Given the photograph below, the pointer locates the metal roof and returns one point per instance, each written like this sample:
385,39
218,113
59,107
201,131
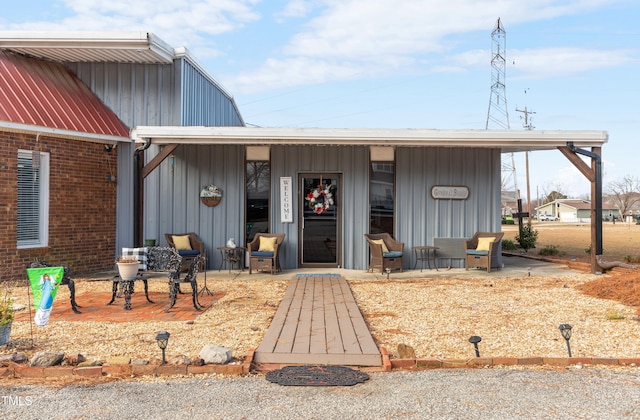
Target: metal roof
79,47
37,93
506,140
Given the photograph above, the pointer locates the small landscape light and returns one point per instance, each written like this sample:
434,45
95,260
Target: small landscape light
475,339
163,338
388,270
528,271
565,330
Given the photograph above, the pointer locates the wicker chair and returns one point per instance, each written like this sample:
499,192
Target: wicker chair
265,260
196,248
485,256
381,260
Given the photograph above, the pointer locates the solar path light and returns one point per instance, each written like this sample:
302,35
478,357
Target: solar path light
475,339
163,338
565,330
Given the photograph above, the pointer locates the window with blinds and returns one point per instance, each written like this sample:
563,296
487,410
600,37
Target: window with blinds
33,199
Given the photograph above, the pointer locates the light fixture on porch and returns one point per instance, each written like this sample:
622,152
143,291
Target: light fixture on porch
172,163
565,330
475,339
163,339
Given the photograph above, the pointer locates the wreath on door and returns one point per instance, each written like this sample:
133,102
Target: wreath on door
320,198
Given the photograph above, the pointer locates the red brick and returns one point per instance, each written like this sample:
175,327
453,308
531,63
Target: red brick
580,361
29,372
526,361
90,371
143,370
58,371
480,361
555,361
403,363
117,370
386,363
6,372
505,361
454,363
172,370
428,363
604,361
196,370
626,361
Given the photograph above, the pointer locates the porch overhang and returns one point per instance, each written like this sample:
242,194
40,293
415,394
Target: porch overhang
505,140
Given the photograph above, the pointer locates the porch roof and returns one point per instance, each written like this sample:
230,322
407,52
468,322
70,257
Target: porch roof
506,140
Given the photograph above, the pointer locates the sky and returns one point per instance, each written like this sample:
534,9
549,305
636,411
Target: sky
573,64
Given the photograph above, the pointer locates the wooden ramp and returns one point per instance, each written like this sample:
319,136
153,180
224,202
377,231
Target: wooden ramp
318,322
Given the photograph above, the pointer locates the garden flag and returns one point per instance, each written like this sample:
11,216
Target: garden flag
44,282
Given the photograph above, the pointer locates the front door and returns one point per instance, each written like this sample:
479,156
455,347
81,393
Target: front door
320,241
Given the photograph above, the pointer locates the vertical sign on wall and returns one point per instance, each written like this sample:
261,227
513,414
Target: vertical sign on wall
286,208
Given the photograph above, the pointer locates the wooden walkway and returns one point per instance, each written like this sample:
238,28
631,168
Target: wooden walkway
318,322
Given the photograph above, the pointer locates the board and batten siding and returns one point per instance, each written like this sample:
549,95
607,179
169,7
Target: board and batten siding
420,218
175,206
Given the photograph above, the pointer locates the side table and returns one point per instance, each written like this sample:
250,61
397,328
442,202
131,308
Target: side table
425,253
232,256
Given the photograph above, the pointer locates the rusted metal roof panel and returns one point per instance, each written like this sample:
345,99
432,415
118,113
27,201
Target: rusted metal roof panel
45,93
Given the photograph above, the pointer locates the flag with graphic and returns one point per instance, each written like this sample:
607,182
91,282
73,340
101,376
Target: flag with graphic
44,282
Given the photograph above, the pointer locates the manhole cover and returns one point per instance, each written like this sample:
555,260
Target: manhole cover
317,376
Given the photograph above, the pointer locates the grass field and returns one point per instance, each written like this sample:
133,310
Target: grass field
620,242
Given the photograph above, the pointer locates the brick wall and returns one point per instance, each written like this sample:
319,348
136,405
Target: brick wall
82,205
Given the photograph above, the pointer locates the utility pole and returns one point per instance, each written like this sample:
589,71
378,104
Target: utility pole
529,126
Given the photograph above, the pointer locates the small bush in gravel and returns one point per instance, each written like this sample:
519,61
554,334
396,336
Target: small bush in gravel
549,250
509,245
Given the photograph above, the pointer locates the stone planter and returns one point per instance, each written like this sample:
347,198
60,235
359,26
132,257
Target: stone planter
5,332
127,270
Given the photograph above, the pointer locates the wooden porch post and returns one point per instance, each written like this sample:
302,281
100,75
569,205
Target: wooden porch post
594,175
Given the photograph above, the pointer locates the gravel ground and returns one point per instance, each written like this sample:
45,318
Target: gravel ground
443,394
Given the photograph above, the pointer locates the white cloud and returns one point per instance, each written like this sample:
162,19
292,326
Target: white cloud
543,63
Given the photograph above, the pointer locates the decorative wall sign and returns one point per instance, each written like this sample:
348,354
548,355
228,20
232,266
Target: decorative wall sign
286,206
449,192
210,195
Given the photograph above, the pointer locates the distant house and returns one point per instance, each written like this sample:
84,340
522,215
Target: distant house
573,211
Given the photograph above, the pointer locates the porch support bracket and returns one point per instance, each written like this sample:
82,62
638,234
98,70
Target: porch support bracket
594,175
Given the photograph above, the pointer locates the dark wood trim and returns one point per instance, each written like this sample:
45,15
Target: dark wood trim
158,159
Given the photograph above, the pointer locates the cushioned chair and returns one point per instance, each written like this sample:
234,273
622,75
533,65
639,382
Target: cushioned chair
188,246
483,250
263,252
386,252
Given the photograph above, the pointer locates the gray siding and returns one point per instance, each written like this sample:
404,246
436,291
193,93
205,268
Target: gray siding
140,94
172,203
203,102
419,169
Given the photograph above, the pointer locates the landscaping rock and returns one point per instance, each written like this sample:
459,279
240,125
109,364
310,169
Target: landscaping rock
139,362
119,360
15,358
182,360
213,354
46,359
90,363
406,351
74,359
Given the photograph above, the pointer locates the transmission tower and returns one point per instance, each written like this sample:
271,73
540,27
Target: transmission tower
498,114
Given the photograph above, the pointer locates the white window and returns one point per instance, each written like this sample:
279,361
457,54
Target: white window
33,199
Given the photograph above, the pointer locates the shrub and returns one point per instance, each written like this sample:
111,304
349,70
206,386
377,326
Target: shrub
527,237
549,250
509,245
